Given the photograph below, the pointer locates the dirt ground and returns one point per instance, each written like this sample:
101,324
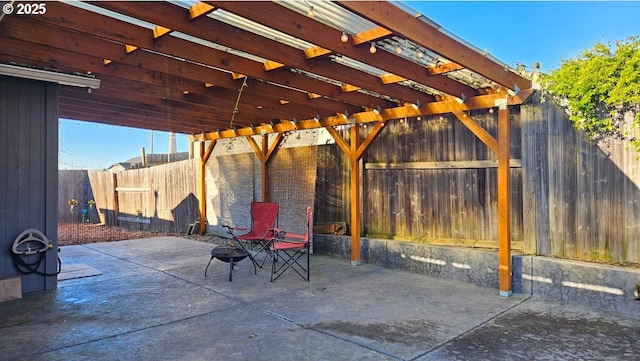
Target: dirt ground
81,233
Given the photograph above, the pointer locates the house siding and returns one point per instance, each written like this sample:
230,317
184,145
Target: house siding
28,181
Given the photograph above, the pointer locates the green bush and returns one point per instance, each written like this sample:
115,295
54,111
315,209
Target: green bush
599,87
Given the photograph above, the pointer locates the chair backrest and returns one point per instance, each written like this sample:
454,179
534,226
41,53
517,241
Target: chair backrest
264,216
308,235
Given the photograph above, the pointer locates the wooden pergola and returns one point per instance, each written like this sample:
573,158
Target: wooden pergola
253,69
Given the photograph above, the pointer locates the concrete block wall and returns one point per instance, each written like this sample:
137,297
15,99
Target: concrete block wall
591,285
582,283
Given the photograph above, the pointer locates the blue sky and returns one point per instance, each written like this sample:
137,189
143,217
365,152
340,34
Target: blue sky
514,32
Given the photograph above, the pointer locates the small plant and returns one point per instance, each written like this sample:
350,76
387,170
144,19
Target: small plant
72,202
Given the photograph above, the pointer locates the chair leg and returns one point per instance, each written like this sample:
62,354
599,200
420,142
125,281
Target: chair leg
252,246
273,264
290,262
205,270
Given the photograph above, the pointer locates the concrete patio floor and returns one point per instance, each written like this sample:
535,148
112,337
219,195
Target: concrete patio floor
153,302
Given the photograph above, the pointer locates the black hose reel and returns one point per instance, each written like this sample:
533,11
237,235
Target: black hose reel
28,243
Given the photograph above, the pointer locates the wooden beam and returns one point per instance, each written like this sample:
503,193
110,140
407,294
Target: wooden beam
349,88
315,52
199,9
204,158
270,65
259,151
504,201
369,139
370,35
265,168
175,17
444,68
274,146
453,164
271,14
265,154
100,27
391,78
411,110
159,31
207,155
478,130
342,144
406,25
355,194
66,58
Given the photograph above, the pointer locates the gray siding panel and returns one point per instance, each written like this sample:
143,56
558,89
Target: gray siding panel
28,154
6,269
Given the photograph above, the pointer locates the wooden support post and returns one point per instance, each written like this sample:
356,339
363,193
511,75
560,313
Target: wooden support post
354,150
204,158
265,153
503,147
504,201
264,159
116,203
203,193
355,194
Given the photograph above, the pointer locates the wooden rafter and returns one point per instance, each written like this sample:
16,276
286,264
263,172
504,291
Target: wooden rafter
410,27
269,13
72,39
241,40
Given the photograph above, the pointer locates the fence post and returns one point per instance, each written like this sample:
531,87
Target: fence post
116,204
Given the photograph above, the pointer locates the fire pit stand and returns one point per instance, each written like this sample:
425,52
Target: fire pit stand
231,255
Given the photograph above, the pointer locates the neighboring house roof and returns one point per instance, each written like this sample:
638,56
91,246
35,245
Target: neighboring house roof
119,166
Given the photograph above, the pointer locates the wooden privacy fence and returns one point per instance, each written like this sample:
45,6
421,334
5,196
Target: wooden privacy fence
432,180
161,198
74,185
582,199
427,180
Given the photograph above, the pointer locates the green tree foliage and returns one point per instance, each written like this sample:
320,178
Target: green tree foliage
599,87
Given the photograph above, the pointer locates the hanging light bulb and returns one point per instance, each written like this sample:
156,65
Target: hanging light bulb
420,55
310,12
372,49
398,50
344,38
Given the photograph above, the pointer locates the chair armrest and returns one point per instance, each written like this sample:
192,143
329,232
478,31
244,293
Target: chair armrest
233,228
293,238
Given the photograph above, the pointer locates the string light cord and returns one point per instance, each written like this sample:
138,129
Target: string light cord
235,109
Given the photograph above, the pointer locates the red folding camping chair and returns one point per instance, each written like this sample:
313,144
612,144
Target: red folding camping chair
264,218
287,250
